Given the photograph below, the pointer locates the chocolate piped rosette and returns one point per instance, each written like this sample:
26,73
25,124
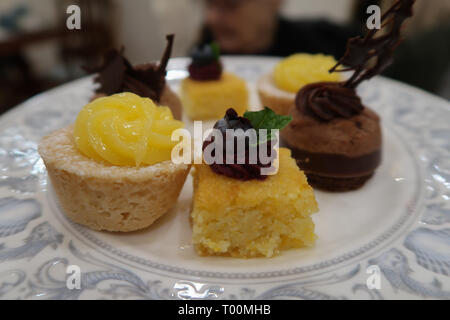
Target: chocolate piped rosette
241,210
334,137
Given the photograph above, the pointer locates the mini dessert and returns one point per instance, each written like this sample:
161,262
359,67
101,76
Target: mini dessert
335,139
277,90
117,75
239,212
112,170
208,91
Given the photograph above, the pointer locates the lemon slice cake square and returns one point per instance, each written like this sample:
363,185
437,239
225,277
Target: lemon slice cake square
255,218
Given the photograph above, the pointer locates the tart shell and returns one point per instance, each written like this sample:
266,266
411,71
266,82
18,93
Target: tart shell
106,197
271,96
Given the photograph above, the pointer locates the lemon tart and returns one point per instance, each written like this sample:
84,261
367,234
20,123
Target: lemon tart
112,169
277,90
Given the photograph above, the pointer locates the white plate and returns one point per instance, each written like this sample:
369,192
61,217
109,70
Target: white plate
398,223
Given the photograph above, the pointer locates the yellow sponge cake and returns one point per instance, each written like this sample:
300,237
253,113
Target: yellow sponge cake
210,99
252,218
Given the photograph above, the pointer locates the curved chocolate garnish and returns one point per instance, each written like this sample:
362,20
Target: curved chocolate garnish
361,52
367,57
328,100
116,74
245,171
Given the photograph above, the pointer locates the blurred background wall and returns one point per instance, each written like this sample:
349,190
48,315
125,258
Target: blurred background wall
37,52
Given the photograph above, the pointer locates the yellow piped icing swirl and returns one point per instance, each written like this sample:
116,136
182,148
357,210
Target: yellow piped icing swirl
125,130
300,69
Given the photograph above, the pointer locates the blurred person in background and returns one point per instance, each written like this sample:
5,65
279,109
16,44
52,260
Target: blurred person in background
256,27
423,58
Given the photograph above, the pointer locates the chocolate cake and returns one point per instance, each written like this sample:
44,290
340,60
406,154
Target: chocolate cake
337,155
335,139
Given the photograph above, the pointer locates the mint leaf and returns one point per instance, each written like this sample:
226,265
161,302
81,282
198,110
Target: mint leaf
215,49
267,119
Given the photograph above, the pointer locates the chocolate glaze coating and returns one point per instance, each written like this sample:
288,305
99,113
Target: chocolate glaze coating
335,165
337,184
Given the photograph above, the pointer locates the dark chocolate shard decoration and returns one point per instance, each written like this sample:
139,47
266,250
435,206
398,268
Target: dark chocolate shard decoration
367,57
116,74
